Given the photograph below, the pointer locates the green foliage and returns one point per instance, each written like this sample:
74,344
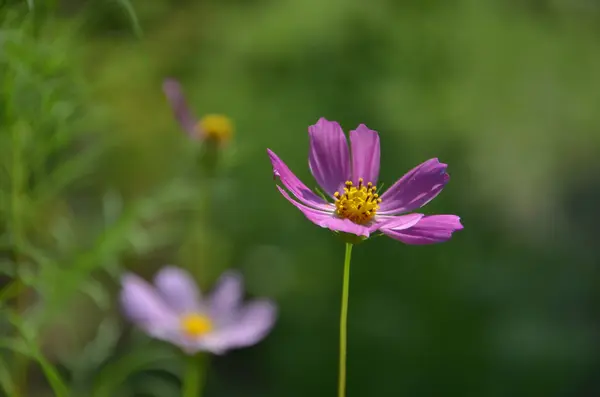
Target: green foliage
57,242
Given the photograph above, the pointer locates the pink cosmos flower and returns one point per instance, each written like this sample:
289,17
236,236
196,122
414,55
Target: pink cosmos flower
355,205
174,310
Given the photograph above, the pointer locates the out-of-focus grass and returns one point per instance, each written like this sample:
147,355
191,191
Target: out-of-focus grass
65,230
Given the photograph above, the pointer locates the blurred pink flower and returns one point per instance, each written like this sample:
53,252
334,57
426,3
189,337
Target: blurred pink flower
213,127
351,182
174,310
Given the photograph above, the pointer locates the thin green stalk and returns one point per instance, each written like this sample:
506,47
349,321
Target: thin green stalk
194,378
17,177
344,321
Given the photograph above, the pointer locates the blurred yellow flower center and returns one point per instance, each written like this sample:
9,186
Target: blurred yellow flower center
195,325
357,203
216,127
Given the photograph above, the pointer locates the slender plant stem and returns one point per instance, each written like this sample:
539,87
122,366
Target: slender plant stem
344,321
194,378
17,177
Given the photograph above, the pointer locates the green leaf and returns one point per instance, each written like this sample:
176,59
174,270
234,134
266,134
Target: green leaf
54,379
69,171
112,376
6,381
29,349
97,293
28,346
32,253
84,365
130,10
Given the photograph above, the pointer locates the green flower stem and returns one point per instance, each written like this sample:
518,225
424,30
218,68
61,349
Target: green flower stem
344,322
21,362
195,372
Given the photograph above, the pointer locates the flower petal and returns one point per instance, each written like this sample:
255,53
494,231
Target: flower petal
174,94
328,159
328,219
178,289
226,296
365,154
295,185
415,189
145,307
253,323
429,230
398,222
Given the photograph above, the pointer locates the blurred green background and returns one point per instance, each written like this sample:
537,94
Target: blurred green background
505,92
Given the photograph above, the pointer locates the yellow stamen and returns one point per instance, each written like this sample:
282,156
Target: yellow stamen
195,325
216,127
357,203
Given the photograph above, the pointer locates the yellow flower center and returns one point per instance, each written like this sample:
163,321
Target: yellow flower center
357,203
216,127
195,325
